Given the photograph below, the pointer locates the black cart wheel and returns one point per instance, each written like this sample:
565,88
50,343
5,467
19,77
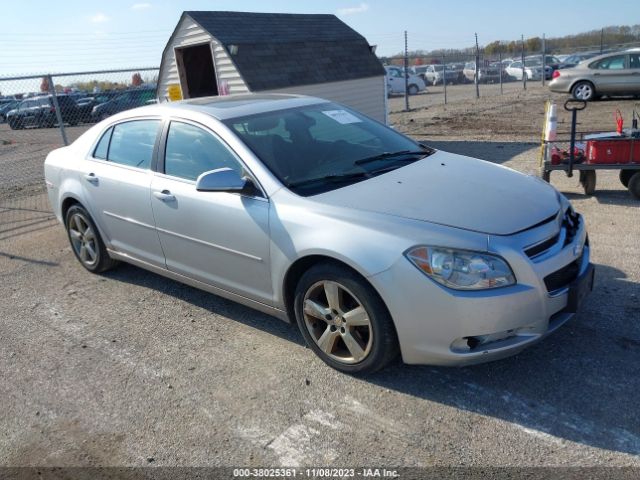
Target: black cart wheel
625,176
634,185
588,181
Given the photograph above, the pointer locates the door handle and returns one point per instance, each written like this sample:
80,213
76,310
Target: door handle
164,195
596,74
91,178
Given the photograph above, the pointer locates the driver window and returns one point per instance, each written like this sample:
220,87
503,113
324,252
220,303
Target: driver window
191,151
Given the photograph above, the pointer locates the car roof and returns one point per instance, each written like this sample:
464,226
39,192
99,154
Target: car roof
230,106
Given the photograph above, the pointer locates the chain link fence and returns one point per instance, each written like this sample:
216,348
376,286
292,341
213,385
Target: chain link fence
455,76
40,113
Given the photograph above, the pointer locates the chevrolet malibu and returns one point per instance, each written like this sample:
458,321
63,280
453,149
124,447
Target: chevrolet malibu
371,243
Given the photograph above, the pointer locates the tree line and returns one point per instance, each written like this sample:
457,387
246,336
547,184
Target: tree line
591,40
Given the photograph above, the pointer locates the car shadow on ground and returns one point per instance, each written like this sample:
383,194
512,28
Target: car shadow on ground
494,152
579,384
126,273
607,197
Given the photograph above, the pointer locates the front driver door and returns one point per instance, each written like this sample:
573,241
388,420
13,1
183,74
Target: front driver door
218,238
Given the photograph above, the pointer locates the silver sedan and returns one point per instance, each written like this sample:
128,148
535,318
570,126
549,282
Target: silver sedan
613,74
371,243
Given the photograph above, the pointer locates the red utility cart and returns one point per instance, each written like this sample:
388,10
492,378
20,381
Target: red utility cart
588,152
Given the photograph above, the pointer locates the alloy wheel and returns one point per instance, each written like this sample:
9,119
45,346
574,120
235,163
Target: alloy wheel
583,91
337,322
83,239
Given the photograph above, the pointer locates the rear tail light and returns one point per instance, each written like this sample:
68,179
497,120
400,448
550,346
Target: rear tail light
556,74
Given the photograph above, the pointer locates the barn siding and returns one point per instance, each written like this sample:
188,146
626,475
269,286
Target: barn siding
367,95
190,33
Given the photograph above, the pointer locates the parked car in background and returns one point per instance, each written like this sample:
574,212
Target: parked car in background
458,71
532,70
551,63
41,112
396,82
371,243
488,73
420,70
436,73
5,108
123,101
612,74
573,60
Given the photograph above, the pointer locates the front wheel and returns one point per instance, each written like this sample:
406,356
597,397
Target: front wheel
413,89
86,243
343,320
583,91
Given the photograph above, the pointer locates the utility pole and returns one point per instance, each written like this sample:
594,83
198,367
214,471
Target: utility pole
477,75
544,59
601,39
406,72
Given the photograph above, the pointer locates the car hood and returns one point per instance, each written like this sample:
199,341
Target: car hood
456,191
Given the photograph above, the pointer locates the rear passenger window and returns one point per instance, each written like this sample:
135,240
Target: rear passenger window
103,145
132,143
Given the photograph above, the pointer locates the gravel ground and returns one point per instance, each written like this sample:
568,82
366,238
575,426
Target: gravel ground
129,368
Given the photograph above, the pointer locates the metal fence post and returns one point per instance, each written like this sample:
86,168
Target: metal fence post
52,89
477,75
406,72
444,78
524,71
544,60
501,70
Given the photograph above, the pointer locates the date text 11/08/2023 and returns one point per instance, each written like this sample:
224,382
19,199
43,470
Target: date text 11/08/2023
322,472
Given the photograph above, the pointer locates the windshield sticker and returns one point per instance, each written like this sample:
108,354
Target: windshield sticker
342,116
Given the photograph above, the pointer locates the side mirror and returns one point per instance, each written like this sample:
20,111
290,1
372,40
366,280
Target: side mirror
225,180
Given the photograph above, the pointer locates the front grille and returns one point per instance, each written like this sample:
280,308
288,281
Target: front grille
542,247
570,226
563,277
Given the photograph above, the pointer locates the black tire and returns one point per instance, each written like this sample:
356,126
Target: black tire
545,175
379,336
102,261
15,124
625,176
584,90
634,185
588,181
413,89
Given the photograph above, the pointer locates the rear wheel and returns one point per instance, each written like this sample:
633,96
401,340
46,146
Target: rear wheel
634,185
625,176
86,243
583,91
588,181
343,320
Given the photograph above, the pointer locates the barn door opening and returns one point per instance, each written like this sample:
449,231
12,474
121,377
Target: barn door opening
196,70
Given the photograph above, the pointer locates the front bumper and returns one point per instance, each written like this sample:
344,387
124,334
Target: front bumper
440,326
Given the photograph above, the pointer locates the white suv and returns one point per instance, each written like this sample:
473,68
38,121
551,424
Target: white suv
396,82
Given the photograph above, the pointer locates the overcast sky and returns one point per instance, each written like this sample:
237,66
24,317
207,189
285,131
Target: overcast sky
45,36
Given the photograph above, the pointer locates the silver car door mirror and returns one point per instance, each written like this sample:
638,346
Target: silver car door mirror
221,180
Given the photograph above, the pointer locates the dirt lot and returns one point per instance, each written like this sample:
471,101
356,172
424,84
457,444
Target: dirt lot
129,368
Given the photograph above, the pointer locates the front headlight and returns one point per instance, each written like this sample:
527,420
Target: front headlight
461,269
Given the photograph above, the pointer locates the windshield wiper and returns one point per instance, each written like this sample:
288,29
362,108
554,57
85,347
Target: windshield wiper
385,155
336,178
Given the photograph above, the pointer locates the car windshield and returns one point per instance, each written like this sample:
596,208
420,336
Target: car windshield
317,148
